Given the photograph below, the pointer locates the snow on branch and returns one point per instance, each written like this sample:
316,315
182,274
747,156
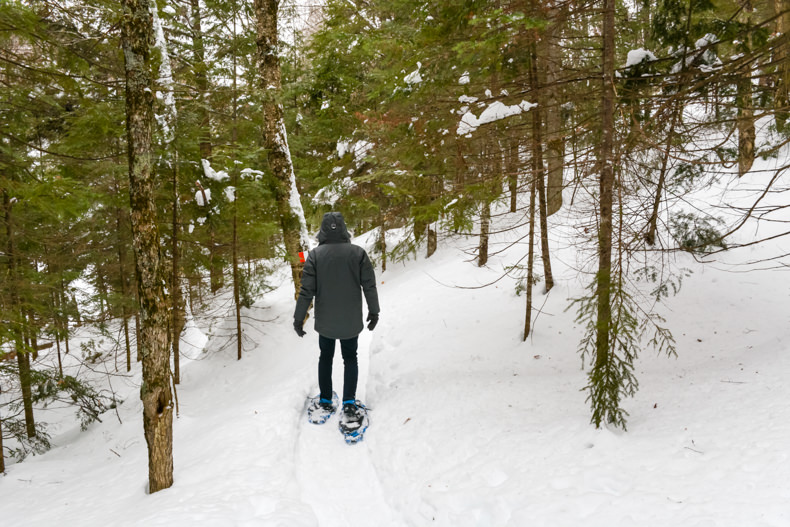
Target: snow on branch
495,111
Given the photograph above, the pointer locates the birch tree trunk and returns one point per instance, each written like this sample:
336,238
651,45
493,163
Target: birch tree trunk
153,343
275,139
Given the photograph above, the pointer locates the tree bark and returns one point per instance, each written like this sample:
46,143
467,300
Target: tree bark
153,343
485,226
530,261
550,54
512,164
120,227
22,357
275,139
605,160
538,175
745,104
652,223
381,242
432,241
235,241
177,315
201,81
2,451
781,57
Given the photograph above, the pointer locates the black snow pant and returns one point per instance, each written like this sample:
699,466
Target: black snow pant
348,348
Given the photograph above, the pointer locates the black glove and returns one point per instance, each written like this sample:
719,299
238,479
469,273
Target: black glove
373,318
298,327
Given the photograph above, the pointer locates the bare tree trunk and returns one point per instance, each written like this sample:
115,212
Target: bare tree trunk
485,226
530,261
432,241
23,363
782,60
57,339
177,320
381,243
199,68
153,344
2,451
275,139
652,223
746,130
537,174
16,323
201,81
605,160
512,164
235,241
745,104
550,55
120,228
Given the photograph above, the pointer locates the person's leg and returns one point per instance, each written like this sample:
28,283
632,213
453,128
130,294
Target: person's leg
350,368
327,347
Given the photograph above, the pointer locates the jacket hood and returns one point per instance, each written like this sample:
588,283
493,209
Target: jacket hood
333,229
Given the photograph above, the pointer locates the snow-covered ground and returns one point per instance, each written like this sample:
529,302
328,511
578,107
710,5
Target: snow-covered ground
470,426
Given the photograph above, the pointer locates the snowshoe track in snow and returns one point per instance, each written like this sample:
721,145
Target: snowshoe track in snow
339,481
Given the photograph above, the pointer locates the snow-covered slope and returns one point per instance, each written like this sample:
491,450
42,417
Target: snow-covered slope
470,426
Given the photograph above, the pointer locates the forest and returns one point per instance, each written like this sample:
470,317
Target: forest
157,154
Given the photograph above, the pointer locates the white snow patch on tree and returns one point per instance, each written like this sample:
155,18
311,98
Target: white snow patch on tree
343,147
414,77
358,149
168,118
638,56
464,78
294,199
330,194
496,111
703,56
213,174
199,197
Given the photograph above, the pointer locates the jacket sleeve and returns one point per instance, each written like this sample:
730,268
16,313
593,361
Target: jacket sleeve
368,281
307,289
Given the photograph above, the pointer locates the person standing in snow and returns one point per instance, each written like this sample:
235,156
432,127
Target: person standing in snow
336,274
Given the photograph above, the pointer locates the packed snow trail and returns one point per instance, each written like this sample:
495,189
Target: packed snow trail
338,480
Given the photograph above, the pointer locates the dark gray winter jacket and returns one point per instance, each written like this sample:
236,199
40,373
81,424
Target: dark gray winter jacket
336,273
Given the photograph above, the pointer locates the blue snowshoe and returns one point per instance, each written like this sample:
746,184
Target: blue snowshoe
320,410
353,421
